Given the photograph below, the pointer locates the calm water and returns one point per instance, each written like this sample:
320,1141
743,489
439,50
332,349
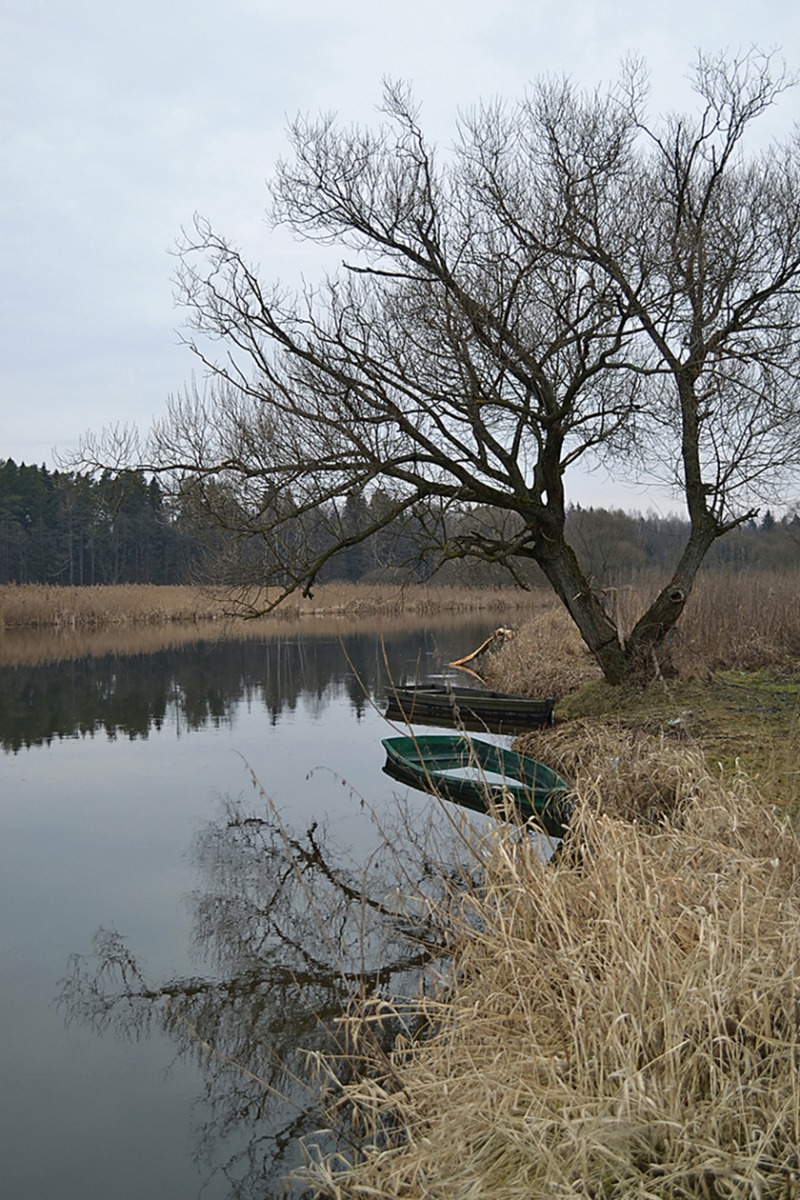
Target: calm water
154,796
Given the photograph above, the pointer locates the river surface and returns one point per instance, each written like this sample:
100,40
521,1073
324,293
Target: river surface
219,811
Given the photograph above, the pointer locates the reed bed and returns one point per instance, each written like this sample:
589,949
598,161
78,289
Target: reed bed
63,608
545,656
41,606
741,620
734,620
622,1022
634,775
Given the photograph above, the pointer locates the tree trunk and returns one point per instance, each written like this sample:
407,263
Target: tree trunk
644,648
598,631
643,653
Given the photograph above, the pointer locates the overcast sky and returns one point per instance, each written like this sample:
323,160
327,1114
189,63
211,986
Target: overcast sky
120,121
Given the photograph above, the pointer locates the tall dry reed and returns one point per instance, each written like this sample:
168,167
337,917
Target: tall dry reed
42,606
545,656
621,1023
45,606
741,620
734,620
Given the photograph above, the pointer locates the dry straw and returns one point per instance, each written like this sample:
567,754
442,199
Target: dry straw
43,606
629,773
734,620
621,1022
545,657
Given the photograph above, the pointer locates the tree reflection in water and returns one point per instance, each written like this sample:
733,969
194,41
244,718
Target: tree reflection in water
291,931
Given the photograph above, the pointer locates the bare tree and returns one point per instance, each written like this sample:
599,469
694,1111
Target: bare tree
569,284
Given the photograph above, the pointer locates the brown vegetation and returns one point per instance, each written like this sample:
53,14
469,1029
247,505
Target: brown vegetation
734,620
43,606
741,621
620,1023
735,696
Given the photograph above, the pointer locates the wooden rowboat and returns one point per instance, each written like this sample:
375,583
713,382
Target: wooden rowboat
481,776
448,704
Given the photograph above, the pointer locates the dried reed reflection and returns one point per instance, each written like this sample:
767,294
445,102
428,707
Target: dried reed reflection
127,695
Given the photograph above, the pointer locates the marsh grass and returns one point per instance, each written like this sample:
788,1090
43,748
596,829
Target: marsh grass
734,620
545,657
741,620
741,722
633,775
736,695
621,1022
41,606
63,608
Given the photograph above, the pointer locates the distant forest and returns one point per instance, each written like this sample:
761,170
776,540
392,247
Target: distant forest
76,529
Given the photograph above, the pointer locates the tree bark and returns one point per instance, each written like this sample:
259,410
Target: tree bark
598,631
643,654
644,645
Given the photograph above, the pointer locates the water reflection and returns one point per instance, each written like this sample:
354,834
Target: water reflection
199,685
111,763
292,930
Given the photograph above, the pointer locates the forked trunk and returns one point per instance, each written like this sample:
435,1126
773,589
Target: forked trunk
645,646
644,653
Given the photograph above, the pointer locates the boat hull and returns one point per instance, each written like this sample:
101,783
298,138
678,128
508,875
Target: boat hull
481,776
467,707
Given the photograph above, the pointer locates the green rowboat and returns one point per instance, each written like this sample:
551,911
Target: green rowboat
480,776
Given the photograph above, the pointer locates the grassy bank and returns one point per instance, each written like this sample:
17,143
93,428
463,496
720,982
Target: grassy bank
735,697
620,1023
734,621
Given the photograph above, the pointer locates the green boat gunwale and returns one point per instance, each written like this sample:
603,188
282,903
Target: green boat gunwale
430,763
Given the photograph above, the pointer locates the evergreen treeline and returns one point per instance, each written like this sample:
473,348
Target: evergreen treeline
75,529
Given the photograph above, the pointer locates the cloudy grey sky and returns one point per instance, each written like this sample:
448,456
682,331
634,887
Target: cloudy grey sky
121,120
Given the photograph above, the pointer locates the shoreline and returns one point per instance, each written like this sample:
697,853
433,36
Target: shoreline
57,608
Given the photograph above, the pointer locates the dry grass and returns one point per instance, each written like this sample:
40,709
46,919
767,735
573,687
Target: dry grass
741,621
734,621
620,1023
42,606
545,657
634,775
748,721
